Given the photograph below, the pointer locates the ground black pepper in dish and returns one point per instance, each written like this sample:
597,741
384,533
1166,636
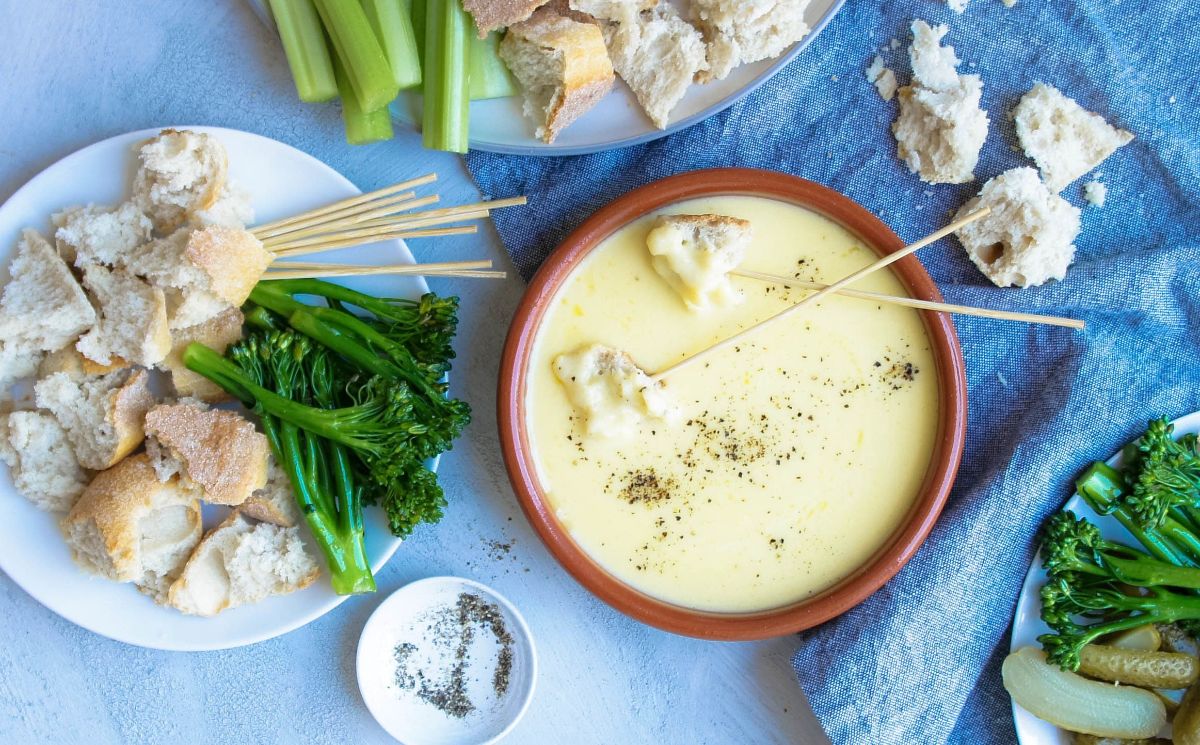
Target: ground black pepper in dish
451,629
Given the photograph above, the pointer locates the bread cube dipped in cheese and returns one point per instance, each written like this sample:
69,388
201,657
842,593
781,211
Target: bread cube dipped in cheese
1028,238
1064,139
613,395
695,253
216,453
130,527
242,562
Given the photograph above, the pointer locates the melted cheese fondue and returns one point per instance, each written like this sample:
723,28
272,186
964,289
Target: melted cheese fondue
791,459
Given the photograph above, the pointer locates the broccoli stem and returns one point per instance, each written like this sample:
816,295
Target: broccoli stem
1101,487
344,550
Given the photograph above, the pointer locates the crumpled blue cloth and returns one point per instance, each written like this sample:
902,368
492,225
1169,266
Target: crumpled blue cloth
918,662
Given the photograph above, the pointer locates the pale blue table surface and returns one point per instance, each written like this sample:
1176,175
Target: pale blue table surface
77,72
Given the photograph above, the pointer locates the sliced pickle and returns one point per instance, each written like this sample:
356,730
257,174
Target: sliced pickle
1077,704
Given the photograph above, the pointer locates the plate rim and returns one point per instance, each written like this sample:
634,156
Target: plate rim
1185,424
180,644
259,7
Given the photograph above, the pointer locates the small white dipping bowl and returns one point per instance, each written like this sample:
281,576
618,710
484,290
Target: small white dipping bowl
405,615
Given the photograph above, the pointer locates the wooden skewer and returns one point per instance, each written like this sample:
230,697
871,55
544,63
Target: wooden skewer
965,310
347,216
369,196
459,209
350,270
848,279
383,227
401,234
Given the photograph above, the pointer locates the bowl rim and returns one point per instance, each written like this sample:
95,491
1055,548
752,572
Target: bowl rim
516,450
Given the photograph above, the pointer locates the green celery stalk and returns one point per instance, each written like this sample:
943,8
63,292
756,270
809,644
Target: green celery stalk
447,104
362,127
490,77
359,52
304,44
416,10
393,27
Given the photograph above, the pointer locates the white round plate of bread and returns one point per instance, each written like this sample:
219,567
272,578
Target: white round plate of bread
281,181
1027,623
499,125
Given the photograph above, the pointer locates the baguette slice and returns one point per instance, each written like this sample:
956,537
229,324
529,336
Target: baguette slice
133,319
44,467
130,527
562,65
215,452
239,563
490,15
102,415
658,54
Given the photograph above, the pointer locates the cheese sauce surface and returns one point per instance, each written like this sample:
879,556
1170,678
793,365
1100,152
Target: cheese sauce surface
796,455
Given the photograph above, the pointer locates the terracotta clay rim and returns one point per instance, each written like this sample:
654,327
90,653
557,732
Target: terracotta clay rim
514,438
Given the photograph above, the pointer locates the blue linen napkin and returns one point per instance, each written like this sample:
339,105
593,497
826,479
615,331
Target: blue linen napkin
918,662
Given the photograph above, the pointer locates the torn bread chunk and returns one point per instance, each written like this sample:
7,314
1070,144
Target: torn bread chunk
216,333
1064,139
737,32
275,503
941,128
188,308
882,78
231,210
133,319
103,416
16,363
224,262
611,10
181,172
562,65
1028,239
215,452
100,235
695,253
490,15
613,394
42,308
658,54
239,563
43,464
130,527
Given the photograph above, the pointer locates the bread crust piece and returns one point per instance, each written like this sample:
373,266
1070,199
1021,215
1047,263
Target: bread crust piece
275,503
563,67
234,260
221,453
69,360
490,15
107,527
216,333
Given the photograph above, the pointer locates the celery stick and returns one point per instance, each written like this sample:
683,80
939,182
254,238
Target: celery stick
490,77
359,52
448,31
304,44
393,26
362,126
416,9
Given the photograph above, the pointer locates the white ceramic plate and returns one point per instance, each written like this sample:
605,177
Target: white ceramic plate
282,181
404,616
1027,623
617,121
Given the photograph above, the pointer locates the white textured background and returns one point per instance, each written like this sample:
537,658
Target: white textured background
74,72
